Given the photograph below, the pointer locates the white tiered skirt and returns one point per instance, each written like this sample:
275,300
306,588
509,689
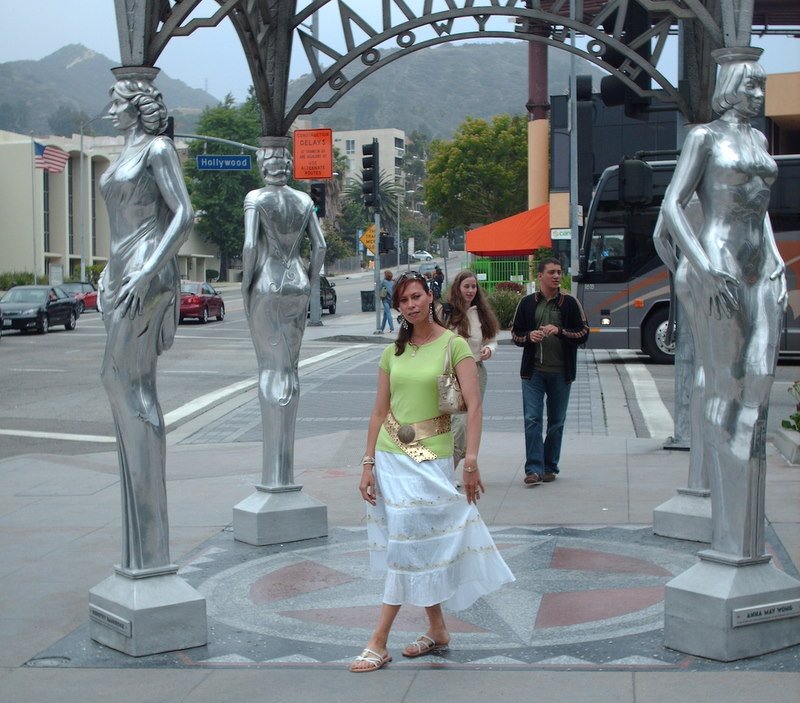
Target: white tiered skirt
432,545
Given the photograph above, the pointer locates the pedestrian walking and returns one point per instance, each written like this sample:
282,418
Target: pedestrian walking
427,538
549,325
468,314
385,294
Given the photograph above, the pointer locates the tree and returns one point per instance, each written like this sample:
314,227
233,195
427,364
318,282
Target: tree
217,196
479,176
388,190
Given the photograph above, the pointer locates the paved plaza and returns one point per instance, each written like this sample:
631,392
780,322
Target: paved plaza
583,621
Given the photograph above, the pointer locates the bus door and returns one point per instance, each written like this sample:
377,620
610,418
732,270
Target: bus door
603,289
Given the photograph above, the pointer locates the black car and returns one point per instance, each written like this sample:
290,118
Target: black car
327,295
38,307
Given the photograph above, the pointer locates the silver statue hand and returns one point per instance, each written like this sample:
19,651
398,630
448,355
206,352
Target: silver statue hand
722,293
132,293
780,274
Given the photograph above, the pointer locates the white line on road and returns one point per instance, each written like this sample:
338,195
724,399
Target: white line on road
657,418
58,435
193,407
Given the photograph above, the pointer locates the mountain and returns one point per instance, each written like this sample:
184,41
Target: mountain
75,81
433,90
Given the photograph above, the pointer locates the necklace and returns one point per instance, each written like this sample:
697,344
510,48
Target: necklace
415,347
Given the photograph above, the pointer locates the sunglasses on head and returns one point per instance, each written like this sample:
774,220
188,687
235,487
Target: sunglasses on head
411,275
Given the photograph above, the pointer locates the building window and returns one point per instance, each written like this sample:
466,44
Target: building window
399,144
93,200
70,206
349,146
46,213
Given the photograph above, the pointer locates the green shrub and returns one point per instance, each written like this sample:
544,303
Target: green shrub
511,286
93,272
505,304
15,278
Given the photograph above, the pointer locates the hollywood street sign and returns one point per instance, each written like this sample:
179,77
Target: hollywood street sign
224,162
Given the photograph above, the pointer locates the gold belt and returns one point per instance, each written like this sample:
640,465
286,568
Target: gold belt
408,435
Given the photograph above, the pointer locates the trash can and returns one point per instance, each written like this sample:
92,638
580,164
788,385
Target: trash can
367,301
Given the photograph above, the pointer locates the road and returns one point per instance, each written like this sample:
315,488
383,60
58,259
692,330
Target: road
53,401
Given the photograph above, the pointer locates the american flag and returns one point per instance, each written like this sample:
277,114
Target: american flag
50,158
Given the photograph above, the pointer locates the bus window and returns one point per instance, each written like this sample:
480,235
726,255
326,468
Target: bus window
640,251
607,250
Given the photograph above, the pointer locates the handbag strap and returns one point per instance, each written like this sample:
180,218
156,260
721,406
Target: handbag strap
448,365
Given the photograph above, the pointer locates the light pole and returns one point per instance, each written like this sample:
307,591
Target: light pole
81,197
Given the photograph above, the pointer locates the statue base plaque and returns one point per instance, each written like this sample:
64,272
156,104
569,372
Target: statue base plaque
727,611
685,516
141,613
277,515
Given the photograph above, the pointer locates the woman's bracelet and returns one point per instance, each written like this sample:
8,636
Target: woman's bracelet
470,469
370,460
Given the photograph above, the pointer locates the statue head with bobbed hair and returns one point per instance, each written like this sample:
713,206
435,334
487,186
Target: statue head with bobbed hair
140,92
737,65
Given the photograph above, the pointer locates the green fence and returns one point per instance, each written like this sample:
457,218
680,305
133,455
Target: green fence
490,272
509,268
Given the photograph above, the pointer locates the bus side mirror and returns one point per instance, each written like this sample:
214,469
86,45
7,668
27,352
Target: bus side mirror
635,182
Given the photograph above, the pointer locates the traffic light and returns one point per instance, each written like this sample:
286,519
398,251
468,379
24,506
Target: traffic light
385,243
370,174
318,198
612,90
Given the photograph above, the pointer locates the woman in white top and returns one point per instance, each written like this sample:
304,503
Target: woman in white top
469,315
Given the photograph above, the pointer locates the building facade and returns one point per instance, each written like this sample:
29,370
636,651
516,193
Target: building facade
60,219
391,145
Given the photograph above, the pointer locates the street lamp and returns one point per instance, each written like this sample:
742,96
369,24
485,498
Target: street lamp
81,197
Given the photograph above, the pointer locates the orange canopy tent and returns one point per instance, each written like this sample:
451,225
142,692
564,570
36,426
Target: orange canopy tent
518,235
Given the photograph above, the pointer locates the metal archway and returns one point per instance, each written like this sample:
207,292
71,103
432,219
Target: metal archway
267,29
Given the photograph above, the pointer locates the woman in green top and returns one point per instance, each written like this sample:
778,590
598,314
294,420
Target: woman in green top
426,536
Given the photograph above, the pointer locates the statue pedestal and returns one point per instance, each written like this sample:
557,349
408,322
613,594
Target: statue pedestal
147,612
685,516
276,515
726,611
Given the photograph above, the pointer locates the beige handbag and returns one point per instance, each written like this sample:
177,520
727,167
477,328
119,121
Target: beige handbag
451,401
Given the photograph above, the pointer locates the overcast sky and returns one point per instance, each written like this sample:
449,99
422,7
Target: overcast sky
212,58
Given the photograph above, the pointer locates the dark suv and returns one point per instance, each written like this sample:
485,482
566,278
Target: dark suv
327,295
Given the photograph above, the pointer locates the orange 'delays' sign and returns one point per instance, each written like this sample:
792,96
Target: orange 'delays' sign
313,154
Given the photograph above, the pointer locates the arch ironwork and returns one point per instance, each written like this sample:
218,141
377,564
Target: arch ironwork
267,30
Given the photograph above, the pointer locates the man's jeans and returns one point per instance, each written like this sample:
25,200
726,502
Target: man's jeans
542,457
387,315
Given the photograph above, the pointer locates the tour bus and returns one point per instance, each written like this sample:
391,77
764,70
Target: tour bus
622,283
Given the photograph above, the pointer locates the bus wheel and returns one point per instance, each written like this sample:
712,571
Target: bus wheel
654,338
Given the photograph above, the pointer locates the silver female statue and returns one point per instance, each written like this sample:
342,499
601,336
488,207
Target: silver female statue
150,218
276,287
734,276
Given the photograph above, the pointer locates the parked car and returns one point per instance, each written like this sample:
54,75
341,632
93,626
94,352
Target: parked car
421,255
200,300
38,307
327,296
84,292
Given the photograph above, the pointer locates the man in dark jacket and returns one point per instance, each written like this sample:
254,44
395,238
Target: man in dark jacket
549,325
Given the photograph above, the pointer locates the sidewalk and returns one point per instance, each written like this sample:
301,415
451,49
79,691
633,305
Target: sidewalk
582,622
